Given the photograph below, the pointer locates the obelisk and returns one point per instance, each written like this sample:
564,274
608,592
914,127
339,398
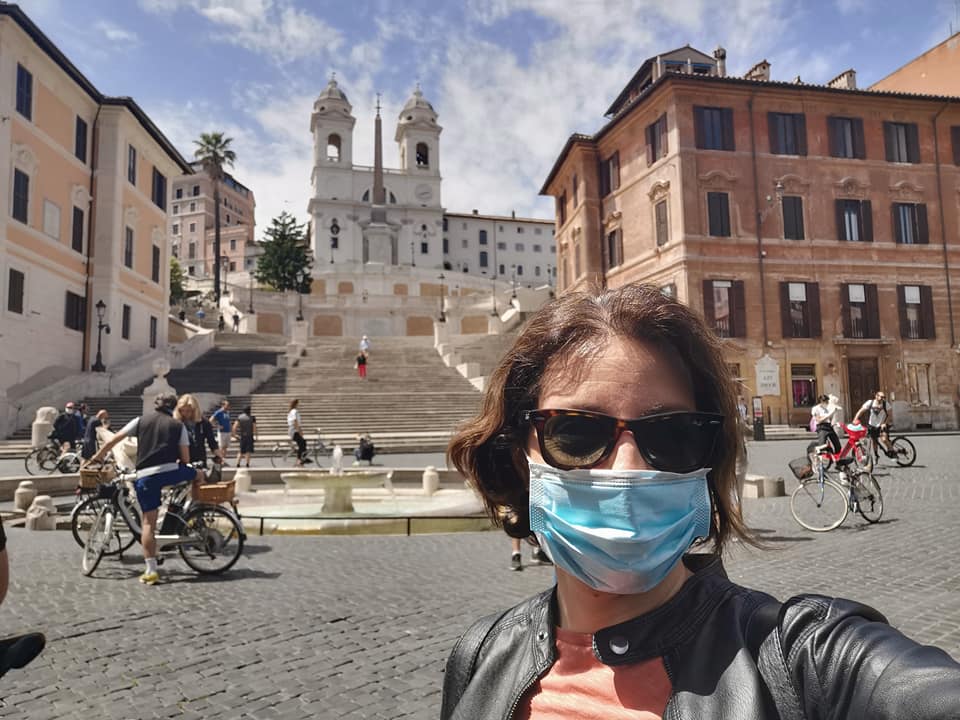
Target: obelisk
377,235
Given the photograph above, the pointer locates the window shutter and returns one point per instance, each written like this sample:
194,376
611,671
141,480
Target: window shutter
615,171
859,145
872,308
888,140
708,315
926,312
662,128
955,141
833,136
894,223
839,206
698,122
800,127
913,143
772,130
649,136
713,220
923,230
739,310
845,308
729,140
603,170
725,214
786,323
902,311
866,220
813,309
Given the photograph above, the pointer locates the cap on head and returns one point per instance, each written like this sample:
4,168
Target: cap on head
69,406
165,401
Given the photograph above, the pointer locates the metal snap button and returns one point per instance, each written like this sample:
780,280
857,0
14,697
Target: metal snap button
619,645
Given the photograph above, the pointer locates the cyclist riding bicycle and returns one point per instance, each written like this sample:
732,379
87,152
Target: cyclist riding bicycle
163,457
823,415
879,422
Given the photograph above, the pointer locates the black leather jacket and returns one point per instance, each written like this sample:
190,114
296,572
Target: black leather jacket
730,653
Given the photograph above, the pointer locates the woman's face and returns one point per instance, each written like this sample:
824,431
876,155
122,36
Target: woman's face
186,412
627,379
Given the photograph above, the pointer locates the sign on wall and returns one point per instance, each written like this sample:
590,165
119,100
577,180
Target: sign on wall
768,376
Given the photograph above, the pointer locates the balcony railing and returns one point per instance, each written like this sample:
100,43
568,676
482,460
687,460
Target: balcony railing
722,327
913,329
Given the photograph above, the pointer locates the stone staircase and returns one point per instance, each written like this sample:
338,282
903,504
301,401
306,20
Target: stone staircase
409,402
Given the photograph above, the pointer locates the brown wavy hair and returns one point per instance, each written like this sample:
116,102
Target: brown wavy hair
490,449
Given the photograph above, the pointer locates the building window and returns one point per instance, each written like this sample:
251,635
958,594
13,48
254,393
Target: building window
483,237
915,305
575,194
125,322
502,269
537,231
424,248
519,270
562,208
859,311
609,176
446,246
76,235
335,242
918,383
196,191
669,291
614,248
153,332
803,385
657,140
128,247
483,259
576,261
75,311
718,212
333,148
846,137
193,207
792,217
192,251
80,140
176,229
15,288
902,141
536,271
464,243
423,155
519,230
193,227
713,128
910,224
955,141
176,209
21,196
445,224
788,133
24,92
132,164
233,243
155,264
501,245
233,266
724,308
854,220
51,219
159,189
518,247
660,219
537,248
800,309
178,194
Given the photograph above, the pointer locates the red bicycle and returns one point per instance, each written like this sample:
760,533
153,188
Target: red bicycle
856,435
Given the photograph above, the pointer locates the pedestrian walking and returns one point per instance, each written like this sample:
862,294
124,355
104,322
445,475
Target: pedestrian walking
221,324
365,344
361,364
236,322
295,432
221,418
245,430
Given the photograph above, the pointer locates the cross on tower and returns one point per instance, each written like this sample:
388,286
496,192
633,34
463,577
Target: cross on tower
378,103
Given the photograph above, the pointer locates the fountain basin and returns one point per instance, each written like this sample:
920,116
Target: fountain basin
337,489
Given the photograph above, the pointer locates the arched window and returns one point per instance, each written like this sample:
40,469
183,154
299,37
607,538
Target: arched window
333,148
423,155
483,258
483,239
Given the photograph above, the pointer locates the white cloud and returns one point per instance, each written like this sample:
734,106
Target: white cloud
116,34
848,7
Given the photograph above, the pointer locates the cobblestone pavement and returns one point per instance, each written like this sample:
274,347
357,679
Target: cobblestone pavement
359,627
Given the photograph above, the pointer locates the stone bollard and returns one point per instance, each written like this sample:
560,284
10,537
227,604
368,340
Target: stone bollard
243,480
42,514
24,495
431,480
42,426
774,487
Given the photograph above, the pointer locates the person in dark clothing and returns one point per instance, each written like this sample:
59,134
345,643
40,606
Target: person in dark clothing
90,442
236,322
199,430
66,428
245,429
361,364
365,449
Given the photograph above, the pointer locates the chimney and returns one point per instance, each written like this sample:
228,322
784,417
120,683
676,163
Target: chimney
513,214
475,212
760,71
721,56
847,80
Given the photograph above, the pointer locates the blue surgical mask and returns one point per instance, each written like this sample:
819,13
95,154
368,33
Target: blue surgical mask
618,531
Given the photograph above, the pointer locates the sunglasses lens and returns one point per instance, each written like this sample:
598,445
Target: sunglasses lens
680,443
575,441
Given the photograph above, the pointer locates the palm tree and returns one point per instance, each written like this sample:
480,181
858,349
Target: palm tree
213,153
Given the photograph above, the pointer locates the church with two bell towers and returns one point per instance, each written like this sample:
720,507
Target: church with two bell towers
362,214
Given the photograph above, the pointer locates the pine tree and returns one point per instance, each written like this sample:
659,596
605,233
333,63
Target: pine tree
285,262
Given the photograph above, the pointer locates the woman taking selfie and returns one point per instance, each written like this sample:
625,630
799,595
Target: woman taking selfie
609,431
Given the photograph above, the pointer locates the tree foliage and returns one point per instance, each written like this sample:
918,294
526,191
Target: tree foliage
213,152
285,262
177,291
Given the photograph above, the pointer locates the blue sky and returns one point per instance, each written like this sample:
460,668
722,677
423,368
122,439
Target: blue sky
510,79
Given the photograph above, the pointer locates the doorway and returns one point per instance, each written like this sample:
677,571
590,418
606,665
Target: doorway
863,378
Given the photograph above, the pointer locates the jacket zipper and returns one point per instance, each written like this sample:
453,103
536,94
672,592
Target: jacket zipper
527,685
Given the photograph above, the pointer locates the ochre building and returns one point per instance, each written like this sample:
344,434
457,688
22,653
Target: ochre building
815,227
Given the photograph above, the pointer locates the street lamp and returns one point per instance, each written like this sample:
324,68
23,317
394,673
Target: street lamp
250,305
513,281
225,265
443,317
301,279
98,365
413,261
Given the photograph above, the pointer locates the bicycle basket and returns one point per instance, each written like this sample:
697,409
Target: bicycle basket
801,468
216,493
91,479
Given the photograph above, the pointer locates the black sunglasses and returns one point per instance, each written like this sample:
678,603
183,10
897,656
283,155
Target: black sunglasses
679,442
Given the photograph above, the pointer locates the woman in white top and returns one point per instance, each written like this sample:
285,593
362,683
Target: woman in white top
823,413
295,432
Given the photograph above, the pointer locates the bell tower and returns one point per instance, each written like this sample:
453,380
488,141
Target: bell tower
418,136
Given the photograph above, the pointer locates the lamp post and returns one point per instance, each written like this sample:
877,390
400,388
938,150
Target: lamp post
443,317
413,261
225,265
250,304
513,281
301,278
98,365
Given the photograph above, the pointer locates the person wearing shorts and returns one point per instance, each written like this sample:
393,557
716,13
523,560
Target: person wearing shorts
163,457
221,418
245,428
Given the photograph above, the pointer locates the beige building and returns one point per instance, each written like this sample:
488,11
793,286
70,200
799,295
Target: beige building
192,224
933,73
84,182
814,226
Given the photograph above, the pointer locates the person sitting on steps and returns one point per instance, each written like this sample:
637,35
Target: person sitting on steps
365,449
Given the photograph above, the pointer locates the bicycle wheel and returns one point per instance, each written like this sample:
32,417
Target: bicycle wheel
85,514
819,507
48,457
69,464
869,498
32,462
903,451
283,456
215,539
97,540
863,458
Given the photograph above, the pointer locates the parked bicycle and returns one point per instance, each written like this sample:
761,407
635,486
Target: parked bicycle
821,503
899,449
90,501
48,459
284,452
208,537
855,447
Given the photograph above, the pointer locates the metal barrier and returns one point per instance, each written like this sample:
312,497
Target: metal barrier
407,518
